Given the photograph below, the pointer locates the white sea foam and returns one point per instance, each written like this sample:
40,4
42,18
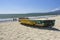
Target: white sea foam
6,19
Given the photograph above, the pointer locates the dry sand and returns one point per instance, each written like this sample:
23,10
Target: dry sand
16,31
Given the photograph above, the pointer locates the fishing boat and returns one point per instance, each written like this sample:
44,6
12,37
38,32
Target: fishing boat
42,22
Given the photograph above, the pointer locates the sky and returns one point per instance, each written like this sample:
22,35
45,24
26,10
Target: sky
28,6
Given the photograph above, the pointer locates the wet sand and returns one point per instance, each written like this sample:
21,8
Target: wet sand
15,31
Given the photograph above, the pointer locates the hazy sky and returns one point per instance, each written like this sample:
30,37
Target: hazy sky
28,6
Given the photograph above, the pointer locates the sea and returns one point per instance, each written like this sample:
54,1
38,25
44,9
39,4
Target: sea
11,17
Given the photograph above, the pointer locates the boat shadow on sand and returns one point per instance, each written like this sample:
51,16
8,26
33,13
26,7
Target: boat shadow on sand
43,28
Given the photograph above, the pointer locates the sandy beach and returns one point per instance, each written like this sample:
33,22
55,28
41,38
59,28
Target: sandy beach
15,31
